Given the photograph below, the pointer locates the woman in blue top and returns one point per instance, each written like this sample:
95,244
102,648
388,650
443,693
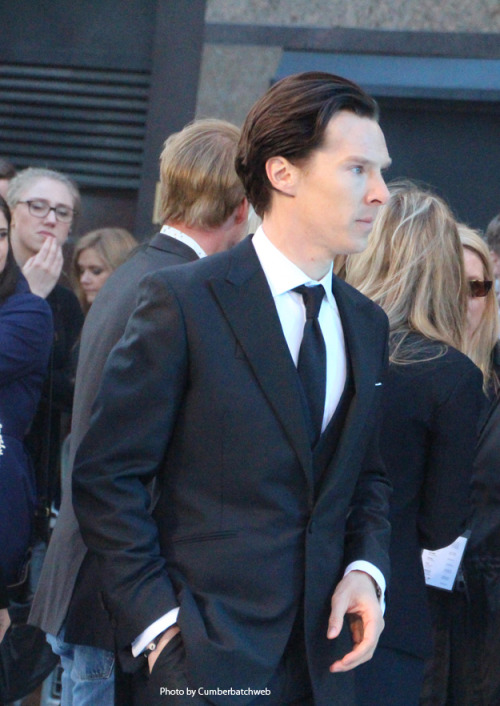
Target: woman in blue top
25,343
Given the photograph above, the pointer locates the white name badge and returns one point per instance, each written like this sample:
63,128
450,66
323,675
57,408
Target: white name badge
441,566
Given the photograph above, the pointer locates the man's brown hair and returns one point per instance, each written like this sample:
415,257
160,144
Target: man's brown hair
290,120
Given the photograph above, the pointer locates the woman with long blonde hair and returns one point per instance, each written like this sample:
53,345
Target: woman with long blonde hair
466,673
97,254
482,306
413,268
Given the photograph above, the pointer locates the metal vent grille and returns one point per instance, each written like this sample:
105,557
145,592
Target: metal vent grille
89,124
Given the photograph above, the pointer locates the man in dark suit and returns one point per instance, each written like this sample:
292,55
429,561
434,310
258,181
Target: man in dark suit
264,557
204,211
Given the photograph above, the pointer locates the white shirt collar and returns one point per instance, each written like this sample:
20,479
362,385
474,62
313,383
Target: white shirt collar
183,238
281,273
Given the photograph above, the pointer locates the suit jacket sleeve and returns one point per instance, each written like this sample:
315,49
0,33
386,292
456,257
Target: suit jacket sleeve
141,391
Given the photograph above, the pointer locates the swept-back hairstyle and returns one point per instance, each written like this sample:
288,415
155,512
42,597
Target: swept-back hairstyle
480,345
111,244
290,121
413,268
10,274
199,184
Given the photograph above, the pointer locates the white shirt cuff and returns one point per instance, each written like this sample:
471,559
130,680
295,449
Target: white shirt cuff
372,571
166,621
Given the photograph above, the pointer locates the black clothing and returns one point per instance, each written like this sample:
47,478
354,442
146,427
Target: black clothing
46,434
427,443
242,533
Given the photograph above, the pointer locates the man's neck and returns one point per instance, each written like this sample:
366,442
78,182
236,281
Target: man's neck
296,247
210,240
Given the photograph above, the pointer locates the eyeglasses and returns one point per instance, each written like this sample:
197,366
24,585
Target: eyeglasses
479,287
40,208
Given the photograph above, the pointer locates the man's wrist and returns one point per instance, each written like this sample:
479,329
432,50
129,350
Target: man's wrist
161,640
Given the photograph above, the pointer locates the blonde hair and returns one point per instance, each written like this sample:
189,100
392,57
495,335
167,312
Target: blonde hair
480,345
19,183
413,268
111,244
199,184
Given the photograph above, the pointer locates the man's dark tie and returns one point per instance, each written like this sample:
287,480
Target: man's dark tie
312,358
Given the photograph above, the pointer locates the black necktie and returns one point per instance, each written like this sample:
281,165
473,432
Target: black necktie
312,358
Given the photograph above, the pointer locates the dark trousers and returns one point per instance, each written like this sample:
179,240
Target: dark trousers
168,682
390,678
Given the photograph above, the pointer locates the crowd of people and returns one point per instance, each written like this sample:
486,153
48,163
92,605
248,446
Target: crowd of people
224,450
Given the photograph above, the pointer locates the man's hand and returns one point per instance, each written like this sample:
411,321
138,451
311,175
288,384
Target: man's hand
4,622
356,597
43,269
162,642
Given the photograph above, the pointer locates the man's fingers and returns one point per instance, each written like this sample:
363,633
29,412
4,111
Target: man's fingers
337,614
365,637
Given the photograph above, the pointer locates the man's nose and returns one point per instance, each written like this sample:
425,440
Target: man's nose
379,192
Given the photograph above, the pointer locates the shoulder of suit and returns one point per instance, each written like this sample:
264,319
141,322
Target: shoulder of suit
360,300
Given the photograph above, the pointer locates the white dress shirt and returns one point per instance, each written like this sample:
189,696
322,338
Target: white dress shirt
283,276
183,238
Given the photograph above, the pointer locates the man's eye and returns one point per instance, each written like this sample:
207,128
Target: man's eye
358,169
3,234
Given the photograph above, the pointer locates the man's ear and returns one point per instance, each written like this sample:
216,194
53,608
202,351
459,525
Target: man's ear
282,175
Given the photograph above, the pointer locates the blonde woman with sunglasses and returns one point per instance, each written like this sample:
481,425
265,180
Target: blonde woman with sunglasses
466,672
413,268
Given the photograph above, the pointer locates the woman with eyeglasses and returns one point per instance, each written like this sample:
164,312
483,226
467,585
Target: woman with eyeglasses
465,669
25,342
43,205
413,268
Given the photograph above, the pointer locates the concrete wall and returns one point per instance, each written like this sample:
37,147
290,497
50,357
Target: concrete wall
233,76
447,16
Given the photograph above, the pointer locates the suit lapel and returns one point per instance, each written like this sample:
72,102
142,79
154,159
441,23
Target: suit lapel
358,333
246,301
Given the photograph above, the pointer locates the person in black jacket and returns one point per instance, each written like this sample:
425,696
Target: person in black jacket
204,210
413,268
263,537
464,670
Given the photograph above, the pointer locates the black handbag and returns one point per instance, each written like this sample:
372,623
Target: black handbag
26,658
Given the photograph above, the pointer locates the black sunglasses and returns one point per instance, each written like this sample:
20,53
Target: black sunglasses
479,287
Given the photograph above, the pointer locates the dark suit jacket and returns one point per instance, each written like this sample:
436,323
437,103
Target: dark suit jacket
202,393
103,327
428,443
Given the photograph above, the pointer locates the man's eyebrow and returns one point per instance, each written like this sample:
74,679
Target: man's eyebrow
364,160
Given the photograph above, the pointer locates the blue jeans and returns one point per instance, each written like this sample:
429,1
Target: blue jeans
88,673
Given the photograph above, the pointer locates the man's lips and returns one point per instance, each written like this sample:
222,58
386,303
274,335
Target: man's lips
368,222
